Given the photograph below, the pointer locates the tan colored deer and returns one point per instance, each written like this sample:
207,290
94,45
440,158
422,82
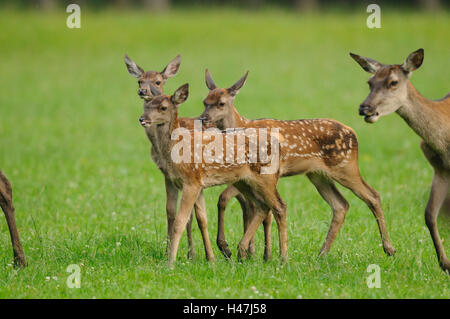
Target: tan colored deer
391,91
158,80
161,121
323,149
8,208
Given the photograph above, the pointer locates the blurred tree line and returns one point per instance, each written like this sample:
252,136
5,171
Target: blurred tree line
300,5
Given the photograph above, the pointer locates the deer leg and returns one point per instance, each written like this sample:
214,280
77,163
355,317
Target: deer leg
247,216
188,198
252,226
265,195
171,210
191,250
338,204
279,212
202,220
224,198
267,223
372,199
8,208
439,191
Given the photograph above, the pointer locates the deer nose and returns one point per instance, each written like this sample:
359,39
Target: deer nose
141,119
141,92
203,118
364,109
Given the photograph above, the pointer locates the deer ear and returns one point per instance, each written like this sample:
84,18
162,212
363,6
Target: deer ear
413,61
134,69
209,80
155,91
181,94
234,89
172,68
369,65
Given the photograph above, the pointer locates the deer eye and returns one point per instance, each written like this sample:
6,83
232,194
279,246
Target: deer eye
163,108
158,82
393,83
222,104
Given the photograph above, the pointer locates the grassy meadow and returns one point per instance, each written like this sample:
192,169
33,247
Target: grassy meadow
86,191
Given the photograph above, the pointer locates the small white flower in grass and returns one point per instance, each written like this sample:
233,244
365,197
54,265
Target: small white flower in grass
118,244
55,278
299,297
133,228
47,278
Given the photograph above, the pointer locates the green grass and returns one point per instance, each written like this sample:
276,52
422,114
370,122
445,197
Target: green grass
84,181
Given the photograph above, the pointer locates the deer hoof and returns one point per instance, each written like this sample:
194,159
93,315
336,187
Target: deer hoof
242,253
445,265
191,254
389,250
20,262
223,247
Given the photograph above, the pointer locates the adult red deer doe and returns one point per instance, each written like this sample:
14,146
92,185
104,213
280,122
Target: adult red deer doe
323,149
158,80
237,166
7,205
391,91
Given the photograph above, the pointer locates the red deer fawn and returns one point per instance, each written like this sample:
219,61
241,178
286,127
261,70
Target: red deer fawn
158,79
391,91
323,149
7,205
242,168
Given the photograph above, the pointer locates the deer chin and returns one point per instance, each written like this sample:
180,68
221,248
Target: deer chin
372,118
147,98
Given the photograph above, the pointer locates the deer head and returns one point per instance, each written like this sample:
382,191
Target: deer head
219,102
388,85
155,78
163,109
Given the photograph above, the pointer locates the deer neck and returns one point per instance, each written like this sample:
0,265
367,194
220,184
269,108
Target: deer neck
234,120
424,119
160,137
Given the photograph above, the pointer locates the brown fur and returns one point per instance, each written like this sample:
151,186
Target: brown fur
323,149
8,208
160,121
391,91
158,80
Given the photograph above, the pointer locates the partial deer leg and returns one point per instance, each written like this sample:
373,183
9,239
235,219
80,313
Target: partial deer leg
171,210
191,250
252,226
279,212
267,237
338,204
267,198
8,208
202,220
353,181
224,198
439,191
247,216
189,196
